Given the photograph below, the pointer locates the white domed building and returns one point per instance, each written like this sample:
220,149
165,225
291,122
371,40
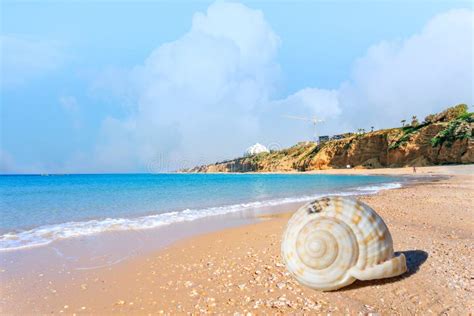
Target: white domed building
256,149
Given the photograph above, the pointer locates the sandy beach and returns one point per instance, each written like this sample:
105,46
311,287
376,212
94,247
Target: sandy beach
229,157
239,269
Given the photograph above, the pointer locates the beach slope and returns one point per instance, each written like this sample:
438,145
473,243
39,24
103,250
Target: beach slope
240,269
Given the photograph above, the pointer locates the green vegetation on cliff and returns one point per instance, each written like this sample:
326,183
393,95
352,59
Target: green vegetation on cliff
442,138
458,119
458,129
407,132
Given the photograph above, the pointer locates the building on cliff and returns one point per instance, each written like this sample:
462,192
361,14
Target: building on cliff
256,149
442,138
323,139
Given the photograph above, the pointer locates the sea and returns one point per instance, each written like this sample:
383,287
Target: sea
37,210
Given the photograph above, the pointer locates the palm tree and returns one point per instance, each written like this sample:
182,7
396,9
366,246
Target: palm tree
414,121
403,122
371,128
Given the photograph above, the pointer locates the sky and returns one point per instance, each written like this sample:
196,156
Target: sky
153,86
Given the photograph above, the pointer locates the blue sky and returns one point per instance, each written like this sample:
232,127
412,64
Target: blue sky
151,86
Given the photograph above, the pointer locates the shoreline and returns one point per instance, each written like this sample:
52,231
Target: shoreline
237,269
44,235
406,171
114,246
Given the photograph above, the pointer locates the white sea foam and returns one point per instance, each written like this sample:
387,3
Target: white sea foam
380,187
46,234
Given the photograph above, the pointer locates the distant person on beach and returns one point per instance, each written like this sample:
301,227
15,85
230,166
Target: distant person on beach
414,169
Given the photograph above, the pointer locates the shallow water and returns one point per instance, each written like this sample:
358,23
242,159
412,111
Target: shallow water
37,210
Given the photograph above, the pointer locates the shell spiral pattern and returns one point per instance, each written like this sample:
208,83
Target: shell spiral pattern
332,241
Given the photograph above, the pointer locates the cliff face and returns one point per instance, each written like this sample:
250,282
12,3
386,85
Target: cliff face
444,138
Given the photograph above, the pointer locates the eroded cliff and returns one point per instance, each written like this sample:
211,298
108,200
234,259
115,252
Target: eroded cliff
443,138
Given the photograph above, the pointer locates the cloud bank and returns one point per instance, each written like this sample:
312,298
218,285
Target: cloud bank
418,75
210,94
207,95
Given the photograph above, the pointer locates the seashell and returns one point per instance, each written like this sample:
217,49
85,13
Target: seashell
332,241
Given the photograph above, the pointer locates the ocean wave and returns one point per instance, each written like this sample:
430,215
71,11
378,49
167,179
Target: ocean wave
46,234
379,187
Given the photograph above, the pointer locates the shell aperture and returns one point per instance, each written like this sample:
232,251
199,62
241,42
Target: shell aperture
332,241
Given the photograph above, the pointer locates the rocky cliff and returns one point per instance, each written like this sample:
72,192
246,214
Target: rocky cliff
443,138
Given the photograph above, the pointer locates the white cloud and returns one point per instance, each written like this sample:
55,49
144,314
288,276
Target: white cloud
322,103
278,129
422,74
208,94
197,97
24,58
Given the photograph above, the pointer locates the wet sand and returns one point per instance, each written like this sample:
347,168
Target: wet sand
239,269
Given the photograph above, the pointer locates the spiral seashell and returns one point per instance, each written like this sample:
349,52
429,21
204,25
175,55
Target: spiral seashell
332,241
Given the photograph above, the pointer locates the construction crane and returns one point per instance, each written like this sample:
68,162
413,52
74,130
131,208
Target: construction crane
314,120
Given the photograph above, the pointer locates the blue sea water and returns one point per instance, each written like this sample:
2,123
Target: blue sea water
36,210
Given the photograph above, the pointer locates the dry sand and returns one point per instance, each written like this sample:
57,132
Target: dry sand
240,269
